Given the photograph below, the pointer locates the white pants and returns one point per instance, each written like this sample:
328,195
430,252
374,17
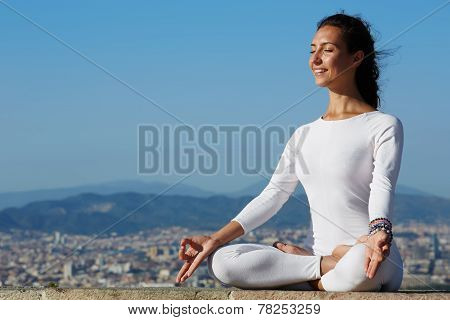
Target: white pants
258,266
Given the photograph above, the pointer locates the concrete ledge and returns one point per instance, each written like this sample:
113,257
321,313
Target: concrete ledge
208,294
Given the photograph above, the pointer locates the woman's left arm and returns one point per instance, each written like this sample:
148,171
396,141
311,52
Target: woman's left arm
388,149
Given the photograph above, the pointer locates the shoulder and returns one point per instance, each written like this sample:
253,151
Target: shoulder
298,135
306,126
382,117
380,123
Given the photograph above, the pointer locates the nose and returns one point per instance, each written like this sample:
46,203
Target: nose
316,58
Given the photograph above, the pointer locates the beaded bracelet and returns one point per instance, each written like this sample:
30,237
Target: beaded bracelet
388,231
376,222
380,219
381,224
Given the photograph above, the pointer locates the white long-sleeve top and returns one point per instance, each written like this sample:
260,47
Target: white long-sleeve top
348,169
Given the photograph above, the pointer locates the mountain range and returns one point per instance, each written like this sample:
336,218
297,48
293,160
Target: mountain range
89,213
21,198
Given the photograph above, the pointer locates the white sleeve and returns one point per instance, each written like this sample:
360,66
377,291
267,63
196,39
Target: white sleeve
387,158
283,183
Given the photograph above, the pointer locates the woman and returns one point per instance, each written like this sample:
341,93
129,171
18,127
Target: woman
348,162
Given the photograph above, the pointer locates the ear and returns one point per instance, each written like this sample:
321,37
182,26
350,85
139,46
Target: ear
358,57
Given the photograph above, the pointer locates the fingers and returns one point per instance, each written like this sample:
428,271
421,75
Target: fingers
193,256
376,251
385,251
195,264
182,271
182,251
370,261
375,261
372,268
367,259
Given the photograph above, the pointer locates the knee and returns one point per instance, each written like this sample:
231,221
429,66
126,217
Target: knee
349,275
219,266
360,281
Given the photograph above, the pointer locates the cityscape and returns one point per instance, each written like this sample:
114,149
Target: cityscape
150,258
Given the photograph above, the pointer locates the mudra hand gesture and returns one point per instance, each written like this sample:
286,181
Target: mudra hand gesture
377,249
200,247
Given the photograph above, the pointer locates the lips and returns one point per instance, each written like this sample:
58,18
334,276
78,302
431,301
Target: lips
319,71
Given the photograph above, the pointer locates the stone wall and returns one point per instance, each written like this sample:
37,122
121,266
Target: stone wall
208,294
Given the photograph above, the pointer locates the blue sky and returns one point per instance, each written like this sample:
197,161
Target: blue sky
64,122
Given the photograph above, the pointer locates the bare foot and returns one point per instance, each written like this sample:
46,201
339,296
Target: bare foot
342,249
290,248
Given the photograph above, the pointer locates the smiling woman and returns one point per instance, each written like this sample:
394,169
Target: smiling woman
349,165
343,52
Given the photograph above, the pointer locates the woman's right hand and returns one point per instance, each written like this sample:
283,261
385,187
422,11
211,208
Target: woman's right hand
200,247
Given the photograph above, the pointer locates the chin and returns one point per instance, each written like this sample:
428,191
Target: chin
322,83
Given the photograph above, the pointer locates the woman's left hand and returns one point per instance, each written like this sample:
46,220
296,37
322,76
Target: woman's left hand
377,249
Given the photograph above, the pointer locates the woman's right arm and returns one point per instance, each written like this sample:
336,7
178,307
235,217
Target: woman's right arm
228,233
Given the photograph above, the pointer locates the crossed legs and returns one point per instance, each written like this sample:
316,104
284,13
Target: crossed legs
327,263
253,266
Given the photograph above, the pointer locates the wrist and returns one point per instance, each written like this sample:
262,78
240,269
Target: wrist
381,224
216,240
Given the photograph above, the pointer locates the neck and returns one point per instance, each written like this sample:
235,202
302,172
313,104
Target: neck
343,101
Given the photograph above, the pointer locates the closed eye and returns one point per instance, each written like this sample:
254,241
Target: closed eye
323,50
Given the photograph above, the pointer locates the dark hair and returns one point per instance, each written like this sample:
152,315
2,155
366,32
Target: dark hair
356,34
